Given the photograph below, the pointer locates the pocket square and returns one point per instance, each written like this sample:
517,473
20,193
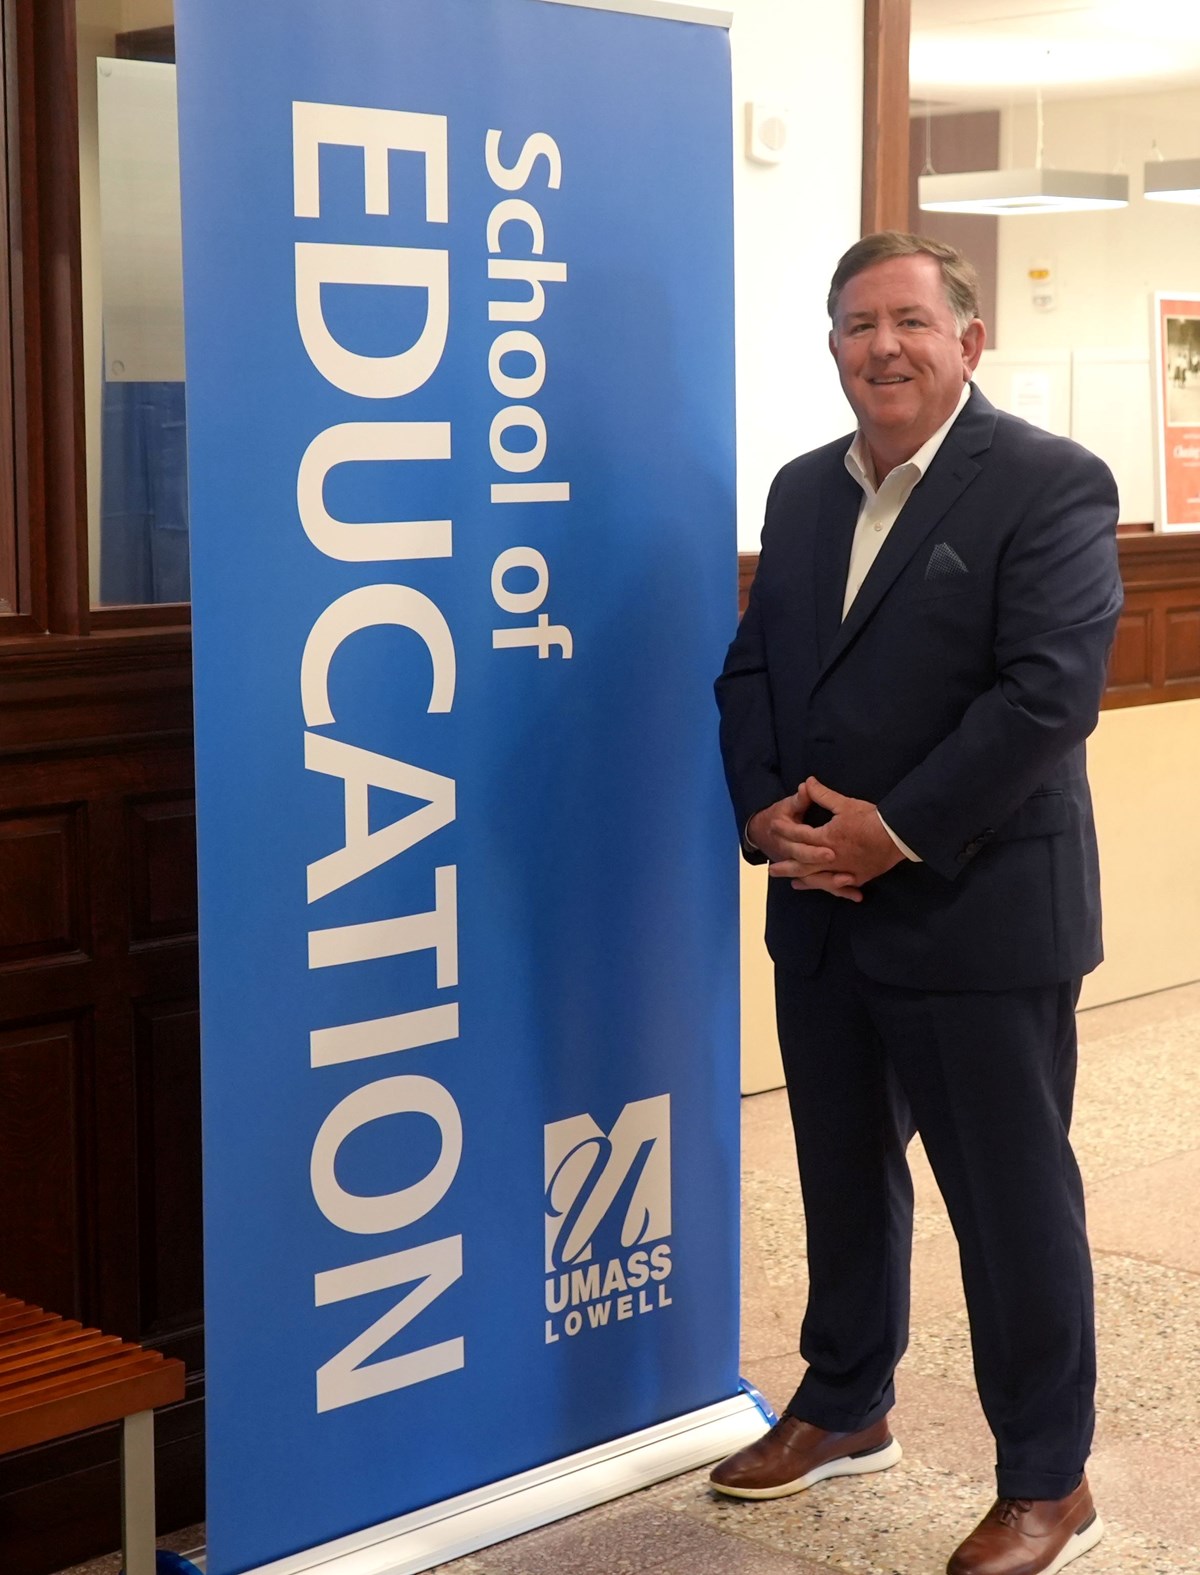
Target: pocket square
944,563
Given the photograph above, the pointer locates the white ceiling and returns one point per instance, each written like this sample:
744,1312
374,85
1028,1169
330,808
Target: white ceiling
990,53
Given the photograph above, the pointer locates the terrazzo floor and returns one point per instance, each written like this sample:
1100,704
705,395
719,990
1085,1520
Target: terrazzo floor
1137,1133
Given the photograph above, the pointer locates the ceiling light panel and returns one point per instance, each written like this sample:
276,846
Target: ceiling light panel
1172,180
1010,192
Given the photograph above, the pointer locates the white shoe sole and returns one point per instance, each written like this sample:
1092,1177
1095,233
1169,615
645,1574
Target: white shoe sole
843,1466
1082,1542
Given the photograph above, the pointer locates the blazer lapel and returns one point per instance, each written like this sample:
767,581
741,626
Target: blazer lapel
954,467
837,515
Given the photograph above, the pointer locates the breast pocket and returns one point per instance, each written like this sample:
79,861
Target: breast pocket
939,589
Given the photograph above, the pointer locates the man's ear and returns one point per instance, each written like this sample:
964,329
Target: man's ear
974,337
833,343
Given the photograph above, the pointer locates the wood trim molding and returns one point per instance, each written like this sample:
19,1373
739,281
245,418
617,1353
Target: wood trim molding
1156,560
47,315
887,25
1156,656
147,615
96,693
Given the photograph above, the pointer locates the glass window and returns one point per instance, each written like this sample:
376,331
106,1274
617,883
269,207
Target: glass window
132,303
1041,114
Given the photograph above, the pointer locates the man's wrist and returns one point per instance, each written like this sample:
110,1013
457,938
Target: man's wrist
913,858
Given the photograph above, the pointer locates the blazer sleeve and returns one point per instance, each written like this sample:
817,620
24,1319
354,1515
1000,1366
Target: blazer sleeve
748,744
1058,597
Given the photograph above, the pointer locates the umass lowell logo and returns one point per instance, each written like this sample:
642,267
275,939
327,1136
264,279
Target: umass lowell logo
608,1214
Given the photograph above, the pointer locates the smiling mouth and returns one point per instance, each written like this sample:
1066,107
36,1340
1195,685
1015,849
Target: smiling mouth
887,382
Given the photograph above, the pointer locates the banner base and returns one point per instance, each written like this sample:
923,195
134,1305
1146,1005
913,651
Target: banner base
462,1525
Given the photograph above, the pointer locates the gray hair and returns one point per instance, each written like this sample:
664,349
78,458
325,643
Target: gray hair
959,278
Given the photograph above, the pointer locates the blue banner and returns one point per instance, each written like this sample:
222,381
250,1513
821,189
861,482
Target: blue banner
458,283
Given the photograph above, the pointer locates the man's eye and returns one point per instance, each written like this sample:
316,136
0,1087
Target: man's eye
913,322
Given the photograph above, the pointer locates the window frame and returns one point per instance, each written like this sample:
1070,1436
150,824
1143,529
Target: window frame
42,443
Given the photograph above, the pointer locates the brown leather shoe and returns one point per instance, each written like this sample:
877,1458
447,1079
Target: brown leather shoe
1022,1536
795,1454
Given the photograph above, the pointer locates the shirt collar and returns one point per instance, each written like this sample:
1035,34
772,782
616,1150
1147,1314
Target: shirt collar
858,456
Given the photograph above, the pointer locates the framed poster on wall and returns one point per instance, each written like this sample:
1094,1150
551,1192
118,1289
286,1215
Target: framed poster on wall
1177,410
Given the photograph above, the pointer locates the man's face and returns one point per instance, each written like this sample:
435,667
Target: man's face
900,356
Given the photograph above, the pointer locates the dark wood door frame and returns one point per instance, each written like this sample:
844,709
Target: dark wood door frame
887,25
50,504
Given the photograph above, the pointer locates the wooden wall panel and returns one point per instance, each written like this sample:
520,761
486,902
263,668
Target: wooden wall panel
1162,600
167,1070
42,900
1131,666
42,1084
162,863
1181,637
99,1054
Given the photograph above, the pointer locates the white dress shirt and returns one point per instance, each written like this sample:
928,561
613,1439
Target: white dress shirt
882,503
880,509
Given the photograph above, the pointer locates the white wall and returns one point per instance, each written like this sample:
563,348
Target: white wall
1106,264
1106,267
792,222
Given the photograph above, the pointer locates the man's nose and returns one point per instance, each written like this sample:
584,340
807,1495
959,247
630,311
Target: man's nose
884,341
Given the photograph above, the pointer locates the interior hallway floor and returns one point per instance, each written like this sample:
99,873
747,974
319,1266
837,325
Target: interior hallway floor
1137,1134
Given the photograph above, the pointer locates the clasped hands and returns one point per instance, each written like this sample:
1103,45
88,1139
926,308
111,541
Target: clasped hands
839,857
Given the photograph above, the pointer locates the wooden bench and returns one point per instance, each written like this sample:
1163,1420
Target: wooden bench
58,1377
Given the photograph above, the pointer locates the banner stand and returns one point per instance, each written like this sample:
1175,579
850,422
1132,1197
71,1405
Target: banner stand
469,1021
458,1526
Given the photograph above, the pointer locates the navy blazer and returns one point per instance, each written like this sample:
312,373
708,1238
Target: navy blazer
956,695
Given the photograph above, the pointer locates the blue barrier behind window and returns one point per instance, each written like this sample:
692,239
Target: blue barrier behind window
143,495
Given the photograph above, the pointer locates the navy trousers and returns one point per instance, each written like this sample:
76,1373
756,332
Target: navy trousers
988,1080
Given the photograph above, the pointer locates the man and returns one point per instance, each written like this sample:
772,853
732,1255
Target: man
903,716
